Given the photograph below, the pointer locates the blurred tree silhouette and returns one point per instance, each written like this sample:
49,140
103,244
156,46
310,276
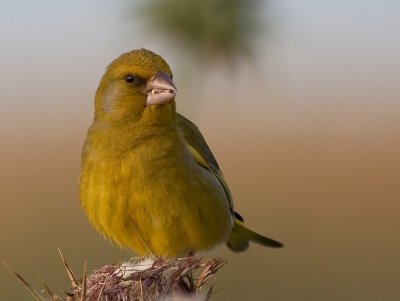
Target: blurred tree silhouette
211,29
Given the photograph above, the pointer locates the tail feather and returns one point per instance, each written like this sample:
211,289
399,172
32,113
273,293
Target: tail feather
241,235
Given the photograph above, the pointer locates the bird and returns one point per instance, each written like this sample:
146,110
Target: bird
149,182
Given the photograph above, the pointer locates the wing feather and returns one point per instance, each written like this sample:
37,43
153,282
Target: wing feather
201,152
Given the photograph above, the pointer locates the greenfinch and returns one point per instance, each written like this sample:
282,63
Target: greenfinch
149,182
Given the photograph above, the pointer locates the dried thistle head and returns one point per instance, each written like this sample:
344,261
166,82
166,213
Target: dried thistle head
141,279
151,279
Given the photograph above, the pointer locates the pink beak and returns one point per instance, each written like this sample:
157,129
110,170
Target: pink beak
159,89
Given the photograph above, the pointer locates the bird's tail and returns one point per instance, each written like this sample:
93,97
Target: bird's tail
241,235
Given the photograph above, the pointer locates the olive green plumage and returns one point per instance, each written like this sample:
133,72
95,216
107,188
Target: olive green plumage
149,181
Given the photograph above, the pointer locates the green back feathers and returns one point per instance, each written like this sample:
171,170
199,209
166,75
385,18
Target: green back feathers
240,236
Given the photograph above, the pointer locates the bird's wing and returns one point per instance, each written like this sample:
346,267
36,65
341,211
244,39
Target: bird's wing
202,153
240,235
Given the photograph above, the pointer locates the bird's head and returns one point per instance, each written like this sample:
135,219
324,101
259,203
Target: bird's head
137,87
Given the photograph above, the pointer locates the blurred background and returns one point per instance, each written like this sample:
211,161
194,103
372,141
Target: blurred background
299,101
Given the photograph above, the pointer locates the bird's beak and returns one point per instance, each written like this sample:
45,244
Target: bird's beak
159,89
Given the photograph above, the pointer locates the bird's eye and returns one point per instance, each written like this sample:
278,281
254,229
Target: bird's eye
130,78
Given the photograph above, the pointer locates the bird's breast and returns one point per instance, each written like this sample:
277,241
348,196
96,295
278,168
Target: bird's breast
154,197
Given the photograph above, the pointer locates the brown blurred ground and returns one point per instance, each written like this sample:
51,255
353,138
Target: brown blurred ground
325,183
